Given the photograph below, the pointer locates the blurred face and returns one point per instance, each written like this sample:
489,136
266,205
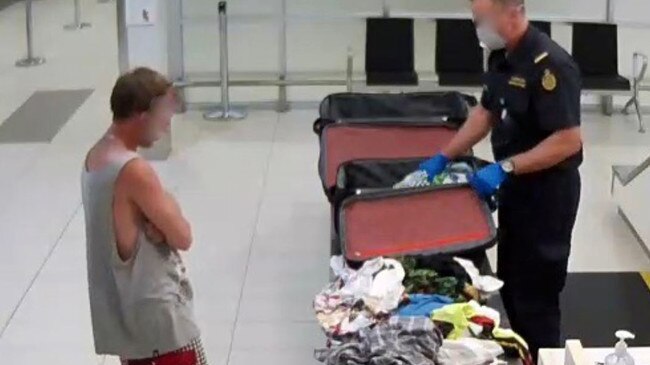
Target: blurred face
153,124
495,22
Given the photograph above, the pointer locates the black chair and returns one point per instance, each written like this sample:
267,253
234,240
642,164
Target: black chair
595,49
390,54
545,27
459,57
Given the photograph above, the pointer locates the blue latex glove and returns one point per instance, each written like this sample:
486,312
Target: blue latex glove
434,166
487,180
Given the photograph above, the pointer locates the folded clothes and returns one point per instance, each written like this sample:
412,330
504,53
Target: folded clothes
473,320
455,173
487,285
423,305
359,298
468,351
399,341
514,344
421,279
460,315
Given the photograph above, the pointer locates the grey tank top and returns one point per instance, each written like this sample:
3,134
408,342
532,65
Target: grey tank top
140,307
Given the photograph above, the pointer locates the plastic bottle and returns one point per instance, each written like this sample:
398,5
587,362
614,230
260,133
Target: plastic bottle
620,355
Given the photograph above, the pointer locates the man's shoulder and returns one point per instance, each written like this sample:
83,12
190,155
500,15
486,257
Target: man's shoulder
548,53
137,167
137,174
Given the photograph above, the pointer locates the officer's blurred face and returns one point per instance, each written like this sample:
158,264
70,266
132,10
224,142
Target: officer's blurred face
498,16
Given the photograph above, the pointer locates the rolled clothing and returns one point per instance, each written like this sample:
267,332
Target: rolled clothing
469,351
399,341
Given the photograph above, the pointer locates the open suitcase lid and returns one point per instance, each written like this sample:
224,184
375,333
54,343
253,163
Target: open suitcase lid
376,220
342,143
445,219
438,108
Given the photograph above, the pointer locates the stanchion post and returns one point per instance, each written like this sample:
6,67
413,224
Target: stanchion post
607,101
77,23
225,112
385,9
30,60
283,103
349,70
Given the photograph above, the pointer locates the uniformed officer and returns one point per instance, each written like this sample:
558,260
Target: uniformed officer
531,103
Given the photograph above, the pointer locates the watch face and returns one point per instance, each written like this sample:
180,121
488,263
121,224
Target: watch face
508,166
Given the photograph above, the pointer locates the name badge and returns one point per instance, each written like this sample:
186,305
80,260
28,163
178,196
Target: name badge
517,81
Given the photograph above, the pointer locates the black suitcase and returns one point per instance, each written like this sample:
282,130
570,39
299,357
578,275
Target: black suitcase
383,126
372,219
448,108
345,142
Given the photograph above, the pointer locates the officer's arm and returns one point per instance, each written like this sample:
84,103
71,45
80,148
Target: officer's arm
550,152
557,103
476,127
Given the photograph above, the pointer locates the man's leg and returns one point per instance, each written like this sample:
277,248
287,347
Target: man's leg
505,258
536,226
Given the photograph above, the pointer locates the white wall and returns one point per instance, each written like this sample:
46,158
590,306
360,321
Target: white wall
634,201
320,31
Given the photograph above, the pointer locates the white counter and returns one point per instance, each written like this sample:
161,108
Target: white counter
592,356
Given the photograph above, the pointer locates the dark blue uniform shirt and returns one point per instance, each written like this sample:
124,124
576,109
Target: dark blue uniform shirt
531,92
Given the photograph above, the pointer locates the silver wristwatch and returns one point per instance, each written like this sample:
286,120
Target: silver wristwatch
508,166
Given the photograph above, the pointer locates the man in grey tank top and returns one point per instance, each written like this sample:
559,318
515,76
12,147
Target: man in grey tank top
140,295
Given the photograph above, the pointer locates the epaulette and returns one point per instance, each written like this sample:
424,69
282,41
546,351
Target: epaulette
541,57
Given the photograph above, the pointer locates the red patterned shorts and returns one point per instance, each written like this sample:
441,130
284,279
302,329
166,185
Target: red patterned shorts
192,354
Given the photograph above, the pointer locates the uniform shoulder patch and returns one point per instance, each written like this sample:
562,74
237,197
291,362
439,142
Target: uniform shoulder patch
541,57
549,81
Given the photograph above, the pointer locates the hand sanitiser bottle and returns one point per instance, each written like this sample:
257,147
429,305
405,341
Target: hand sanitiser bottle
620,355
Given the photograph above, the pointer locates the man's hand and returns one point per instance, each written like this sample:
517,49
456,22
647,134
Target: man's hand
434,166
487,180
173,200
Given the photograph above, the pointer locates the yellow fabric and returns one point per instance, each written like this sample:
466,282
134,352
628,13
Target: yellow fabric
505,334
646,278
457,315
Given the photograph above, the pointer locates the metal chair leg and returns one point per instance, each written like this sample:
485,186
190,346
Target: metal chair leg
626,108
639,116
607,104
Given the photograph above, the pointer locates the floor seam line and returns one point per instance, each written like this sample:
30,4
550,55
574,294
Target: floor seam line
39,271
267,169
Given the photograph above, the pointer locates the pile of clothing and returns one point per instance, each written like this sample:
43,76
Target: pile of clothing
455,173
359,298
412,311
450,276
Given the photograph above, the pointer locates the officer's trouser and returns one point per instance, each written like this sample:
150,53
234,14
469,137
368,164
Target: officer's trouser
536,218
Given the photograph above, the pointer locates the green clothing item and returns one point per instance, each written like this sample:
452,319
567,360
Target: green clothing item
427,281
456,314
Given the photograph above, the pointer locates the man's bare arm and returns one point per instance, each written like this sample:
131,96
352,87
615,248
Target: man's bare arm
550,152
146,192
476,127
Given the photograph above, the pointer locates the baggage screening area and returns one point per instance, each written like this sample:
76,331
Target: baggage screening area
339,182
